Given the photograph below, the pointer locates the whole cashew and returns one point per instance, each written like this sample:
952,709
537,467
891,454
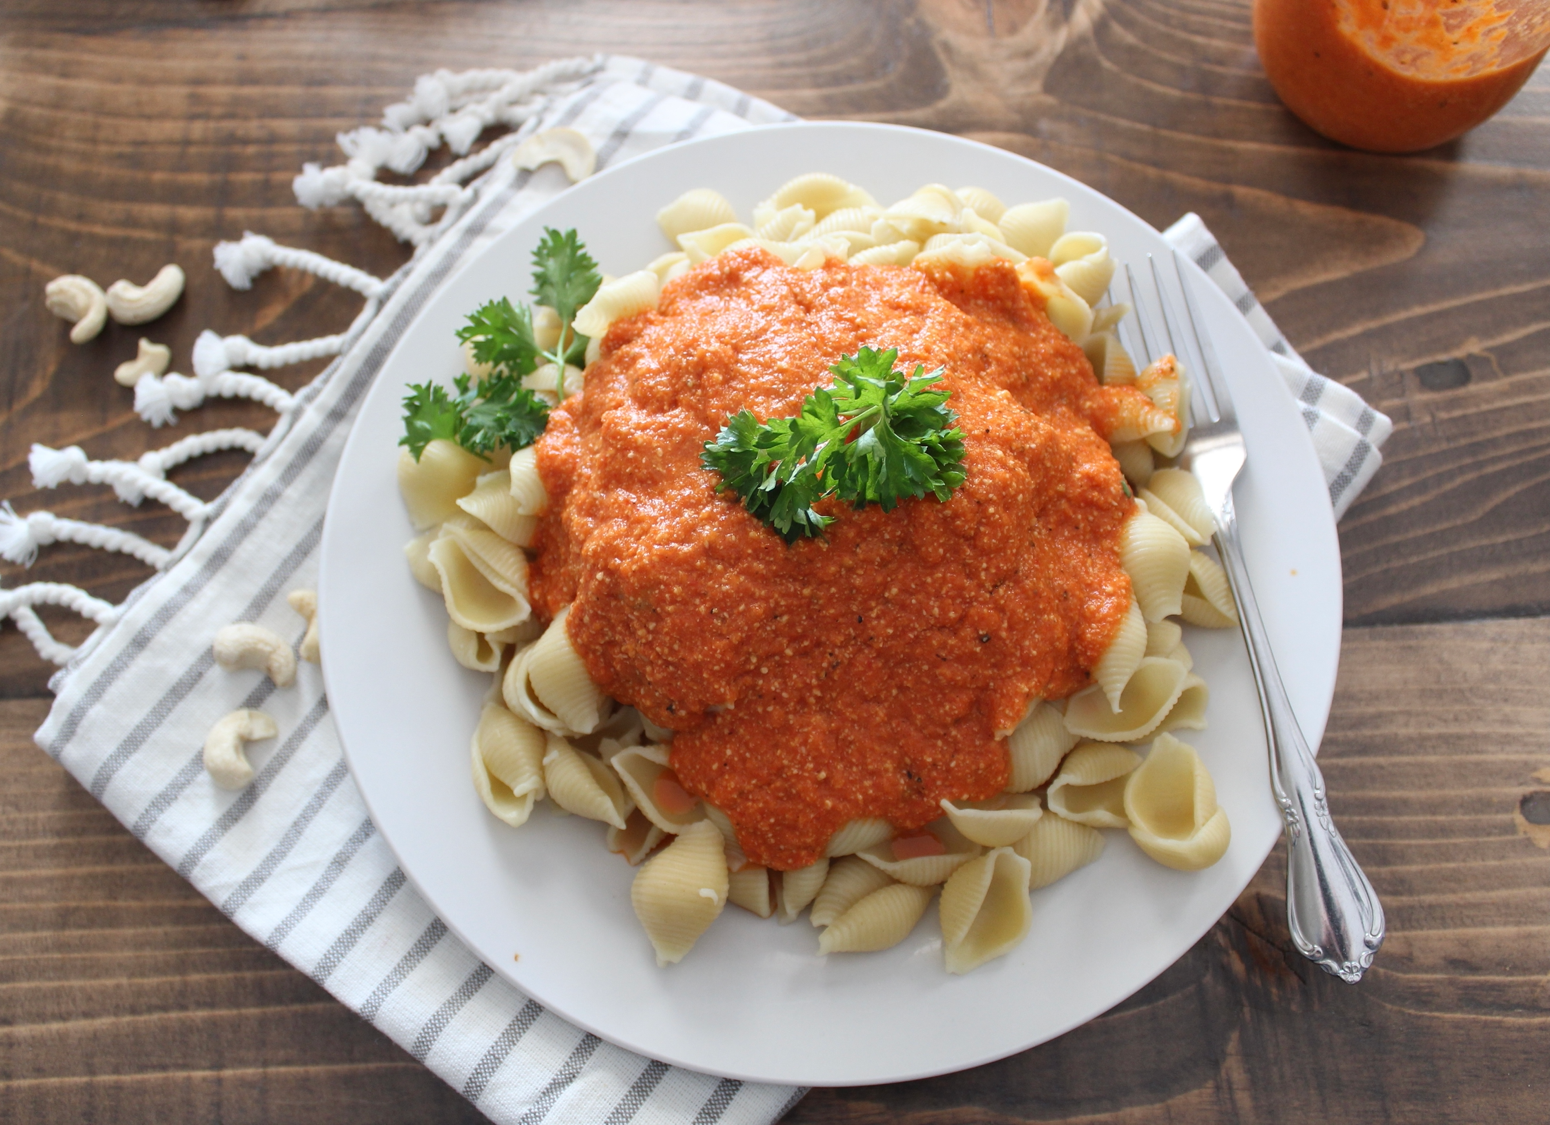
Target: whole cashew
225,759
135,304
244,645
151,360
305,602
569,147
78,299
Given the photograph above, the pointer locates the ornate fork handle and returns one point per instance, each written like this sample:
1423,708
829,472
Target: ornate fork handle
1332,910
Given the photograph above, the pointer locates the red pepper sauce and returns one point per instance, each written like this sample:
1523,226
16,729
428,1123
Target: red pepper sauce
868,673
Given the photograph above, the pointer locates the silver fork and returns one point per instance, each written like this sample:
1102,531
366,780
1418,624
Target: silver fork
1332,910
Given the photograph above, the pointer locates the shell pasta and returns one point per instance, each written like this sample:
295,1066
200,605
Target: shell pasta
1086,754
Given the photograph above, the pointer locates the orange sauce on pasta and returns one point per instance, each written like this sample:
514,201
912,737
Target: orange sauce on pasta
867,673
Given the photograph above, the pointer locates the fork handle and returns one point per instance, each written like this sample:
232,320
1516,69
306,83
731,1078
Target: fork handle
1332,910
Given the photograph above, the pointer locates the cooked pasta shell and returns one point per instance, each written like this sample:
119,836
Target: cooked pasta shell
972,222
933,209
432,485
477,596
1111,362
1090,787
1056,847
545,380
1123,656
972,250
699,209
858,834
900,253
702,245
1082,261
1106,319
1066,310
663,265
1033,228
474,651
1207,599
619,732
496,557
1135,461
507,764
644,771
527,487
820,192
582,784
736,858
795,890
751,889
1156,686
985,910
849,880
418,552
680,891
636,839
925,870
1171,802
1163,382
880,921
1135,417
995,823
984,203
1157,560
1162,637
620,299
854,240
548,684
789,224
854,220
492,503
1182,494
1189,710
1035,748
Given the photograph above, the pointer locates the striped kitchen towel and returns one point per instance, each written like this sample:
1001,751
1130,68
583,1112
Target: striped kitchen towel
294,859
1347,433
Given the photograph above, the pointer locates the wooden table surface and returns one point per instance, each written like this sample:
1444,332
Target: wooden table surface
136,132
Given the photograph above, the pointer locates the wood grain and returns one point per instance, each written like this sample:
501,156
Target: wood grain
135,132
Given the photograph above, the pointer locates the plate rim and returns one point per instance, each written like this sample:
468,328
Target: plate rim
472,263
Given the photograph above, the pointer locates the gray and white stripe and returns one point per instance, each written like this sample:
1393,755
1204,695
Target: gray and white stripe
294,859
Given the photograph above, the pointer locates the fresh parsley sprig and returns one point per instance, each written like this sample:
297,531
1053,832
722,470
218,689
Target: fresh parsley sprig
499,411
875,437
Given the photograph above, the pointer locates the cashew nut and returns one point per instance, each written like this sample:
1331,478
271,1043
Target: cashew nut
244,645
78,299
305,602
135,304
569,148
152,360
225,760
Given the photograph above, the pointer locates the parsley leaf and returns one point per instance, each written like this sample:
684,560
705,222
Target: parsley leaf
501,412
876,437
502,336
429,413
564,275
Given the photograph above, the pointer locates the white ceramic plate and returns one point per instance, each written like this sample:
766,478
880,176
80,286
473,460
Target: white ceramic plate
753,1000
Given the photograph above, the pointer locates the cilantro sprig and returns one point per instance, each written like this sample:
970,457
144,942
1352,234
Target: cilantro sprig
875,437
498,411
